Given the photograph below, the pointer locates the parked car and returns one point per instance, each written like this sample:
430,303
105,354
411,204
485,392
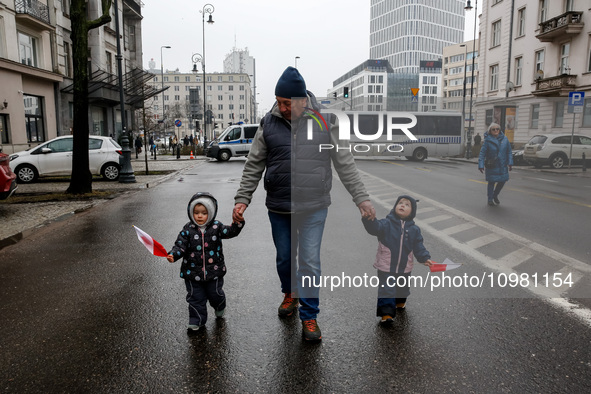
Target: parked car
55,158
518,159
554,149
235,141
7,177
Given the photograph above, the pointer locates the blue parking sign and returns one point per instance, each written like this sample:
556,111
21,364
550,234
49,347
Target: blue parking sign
576,100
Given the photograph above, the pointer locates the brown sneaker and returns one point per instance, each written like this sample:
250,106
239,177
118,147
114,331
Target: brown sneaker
386,319
401,305
288,306
311,331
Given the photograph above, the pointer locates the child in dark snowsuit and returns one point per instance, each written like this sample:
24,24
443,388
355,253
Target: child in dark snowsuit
199,244
400,241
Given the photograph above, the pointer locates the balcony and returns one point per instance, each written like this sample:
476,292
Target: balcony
568,24
558,86
32,13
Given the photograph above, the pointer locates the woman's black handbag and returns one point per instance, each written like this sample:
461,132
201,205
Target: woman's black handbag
490,163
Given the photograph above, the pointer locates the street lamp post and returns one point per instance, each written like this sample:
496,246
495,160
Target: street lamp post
162,81
126,172
207,9
469,134
464,90
196,58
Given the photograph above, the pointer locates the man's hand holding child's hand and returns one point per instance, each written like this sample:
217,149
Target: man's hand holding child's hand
170,258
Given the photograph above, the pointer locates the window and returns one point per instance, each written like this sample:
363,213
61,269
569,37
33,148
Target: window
176,79
231,78
34,118
220,107
564,53
177,97
177,88
165,79
521,22
27,47
219,78
539,61
543,7
558,113
131,38
165,97
587,113
187,79
535,115
496,34
518,70
67,60
220,98
494,77
231,87
109,62
4,129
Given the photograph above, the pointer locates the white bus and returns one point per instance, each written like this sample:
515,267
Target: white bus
438,134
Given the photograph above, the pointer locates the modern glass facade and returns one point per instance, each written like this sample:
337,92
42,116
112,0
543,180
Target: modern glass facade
407,31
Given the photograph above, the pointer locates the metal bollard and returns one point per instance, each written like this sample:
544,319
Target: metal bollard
584,163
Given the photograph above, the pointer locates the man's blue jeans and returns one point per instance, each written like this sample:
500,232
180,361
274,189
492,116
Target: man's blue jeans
299,236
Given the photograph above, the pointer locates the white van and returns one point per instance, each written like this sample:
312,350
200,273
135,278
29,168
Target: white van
235,141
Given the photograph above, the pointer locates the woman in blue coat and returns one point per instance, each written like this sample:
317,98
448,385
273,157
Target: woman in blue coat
496,159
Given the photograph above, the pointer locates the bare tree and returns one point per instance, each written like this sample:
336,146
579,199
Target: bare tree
81,180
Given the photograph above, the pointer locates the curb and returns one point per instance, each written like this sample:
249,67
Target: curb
17,237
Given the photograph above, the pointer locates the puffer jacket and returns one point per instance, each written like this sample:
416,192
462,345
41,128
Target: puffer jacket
498,148
399,242
202,252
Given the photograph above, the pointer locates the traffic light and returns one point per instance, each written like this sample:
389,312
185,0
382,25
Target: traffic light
346,92
334,94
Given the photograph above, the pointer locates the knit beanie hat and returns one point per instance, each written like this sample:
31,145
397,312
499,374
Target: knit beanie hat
291,84
208,202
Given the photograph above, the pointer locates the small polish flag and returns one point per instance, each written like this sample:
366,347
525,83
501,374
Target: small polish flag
445,266
150,243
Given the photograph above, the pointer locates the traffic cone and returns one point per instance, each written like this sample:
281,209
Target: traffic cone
192,157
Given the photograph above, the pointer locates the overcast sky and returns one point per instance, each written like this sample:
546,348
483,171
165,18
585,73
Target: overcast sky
330,36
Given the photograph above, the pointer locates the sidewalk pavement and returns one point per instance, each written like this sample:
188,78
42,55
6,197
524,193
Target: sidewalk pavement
19,220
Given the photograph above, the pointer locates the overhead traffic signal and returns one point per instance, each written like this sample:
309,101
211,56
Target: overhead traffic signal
346,92
334,94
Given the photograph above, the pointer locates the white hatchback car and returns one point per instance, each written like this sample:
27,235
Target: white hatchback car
554,149
54,157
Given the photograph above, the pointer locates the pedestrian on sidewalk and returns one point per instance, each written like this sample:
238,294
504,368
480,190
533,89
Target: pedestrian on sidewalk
399,242
297,198
138,146
199,244
495,160
151,142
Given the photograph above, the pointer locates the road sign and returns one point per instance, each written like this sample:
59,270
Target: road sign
178,123
576,101
414,91
414,99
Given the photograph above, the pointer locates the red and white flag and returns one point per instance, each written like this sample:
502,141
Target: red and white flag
445,266
150,243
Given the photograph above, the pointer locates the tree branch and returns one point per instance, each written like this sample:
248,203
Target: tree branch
104,19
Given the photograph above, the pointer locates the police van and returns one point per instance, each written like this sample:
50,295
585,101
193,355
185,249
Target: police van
235,141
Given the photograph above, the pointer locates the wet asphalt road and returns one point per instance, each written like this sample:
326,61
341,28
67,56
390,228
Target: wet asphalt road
85,308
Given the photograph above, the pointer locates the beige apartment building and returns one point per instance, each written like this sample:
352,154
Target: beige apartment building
533,53
458,84
229,100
